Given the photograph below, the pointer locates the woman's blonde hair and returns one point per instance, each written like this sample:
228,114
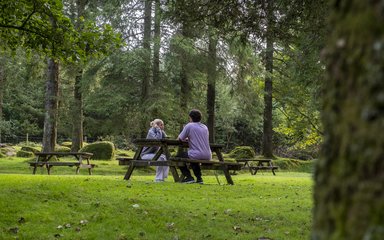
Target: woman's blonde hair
155,122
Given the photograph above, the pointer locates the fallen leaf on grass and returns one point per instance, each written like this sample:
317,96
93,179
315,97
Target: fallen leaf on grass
237,228
135,205
83,222
228,211
58,235
171,226
14,230
21,220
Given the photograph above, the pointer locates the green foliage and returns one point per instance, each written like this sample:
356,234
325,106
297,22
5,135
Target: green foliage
242,152
59,148
101,150
41,25
24,154
30,149
2,155
66,144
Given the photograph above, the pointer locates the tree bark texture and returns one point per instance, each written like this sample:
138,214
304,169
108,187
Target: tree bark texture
184,81
156,44
77,115
211,89
77,107
51,106
2,89
146,66
267,123
349,188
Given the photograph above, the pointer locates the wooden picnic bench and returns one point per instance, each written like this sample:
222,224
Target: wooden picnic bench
261,164
174,162
50,159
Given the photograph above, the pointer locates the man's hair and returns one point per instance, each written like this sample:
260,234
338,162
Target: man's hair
195,115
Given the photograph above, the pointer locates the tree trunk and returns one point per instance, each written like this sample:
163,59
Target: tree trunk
211,90
350,174
267,133
156,44
51,106
2,88
146,67
77,107
77,115
184,81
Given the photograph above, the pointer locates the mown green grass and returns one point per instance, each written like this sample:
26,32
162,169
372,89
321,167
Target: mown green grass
50,207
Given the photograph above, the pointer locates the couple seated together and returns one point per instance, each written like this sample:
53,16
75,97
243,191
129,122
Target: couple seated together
197,136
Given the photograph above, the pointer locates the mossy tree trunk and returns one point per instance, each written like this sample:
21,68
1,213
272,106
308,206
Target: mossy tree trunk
349,188
2,88
77,107
51,106
146,65
267,123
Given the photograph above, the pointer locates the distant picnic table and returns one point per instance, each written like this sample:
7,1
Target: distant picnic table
50,159
175,162
260,164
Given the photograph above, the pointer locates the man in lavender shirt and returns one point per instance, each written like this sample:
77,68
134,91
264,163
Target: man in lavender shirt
197,136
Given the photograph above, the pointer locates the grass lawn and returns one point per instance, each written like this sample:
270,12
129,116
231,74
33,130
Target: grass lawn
104,206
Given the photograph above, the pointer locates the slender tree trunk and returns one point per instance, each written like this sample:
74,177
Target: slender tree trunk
2,88
156,45
155,93
51,106
184,81
77,107
146,65
349,188
211,90
267,134
77,117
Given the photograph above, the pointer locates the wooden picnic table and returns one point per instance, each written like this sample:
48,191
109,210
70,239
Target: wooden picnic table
174,162
45,159
261,164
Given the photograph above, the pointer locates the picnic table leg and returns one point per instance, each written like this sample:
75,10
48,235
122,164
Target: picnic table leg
227,175
129,171
34,168
48,168
175,175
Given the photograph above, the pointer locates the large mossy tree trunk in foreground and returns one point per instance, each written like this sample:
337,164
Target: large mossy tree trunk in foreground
349,188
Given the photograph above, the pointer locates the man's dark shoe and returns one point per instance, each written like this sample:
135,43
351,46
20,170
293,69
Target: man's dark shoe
200,181
188,180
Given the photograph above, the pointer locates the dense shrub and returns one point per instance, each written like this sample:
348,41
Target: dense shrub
25,154
59,148
2,155
101,150
242,152
66,144
30,149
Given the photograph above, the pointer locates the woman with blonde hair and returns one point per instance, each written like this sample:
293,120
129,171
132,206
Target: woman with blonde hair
156,132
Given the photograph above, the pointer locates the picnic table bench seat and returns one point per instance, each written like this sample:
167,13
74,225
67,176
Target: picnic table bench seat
207,164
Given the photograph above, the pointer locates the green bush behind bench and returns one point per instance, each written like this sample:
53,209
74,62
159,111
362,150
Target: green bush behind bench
104,150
